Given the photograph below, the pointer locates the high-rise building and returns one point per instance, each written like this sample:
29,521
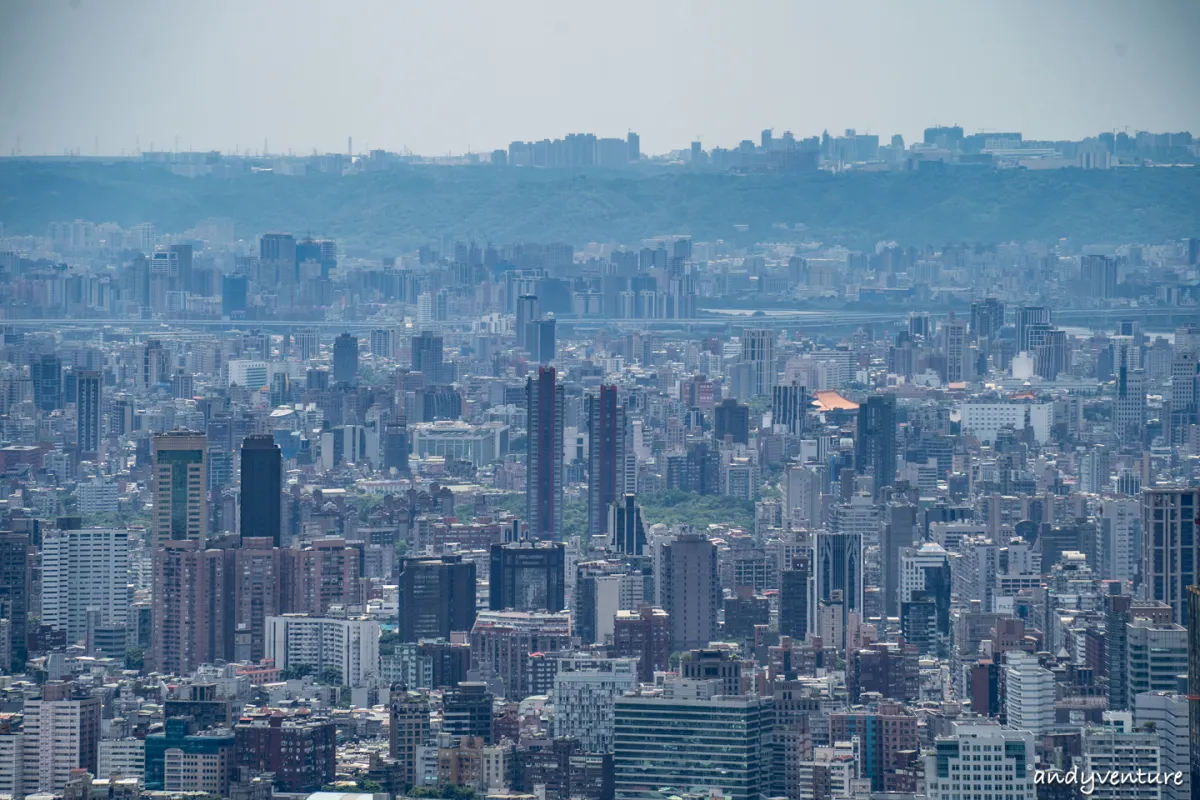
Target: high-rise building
1099,276
1170,546
277,259
691,590
1029,693
502,641
528,313
1028,318
262,483
1168,713
1193,673
299,750
732,419
794,582
953,333
345,358
949,769
467,710
545,401
1109,750
606,456
180,487
839,575
408,730
346,650
45,371
257,584
428,358
14,595
758,350
987,318
436,596
721,743
585,690
1155,655
644,634
625,528
61,733
85,572
191,606
527,576
88,405
789,405
875,441
1129,405
925,598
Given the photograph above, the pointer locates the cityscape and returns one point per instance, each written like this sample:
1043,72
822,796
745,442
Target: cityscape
811,466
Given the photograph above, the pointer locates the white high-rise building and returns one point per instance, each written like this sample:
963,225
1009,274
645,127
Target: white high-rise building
758,350
584,692
1029,695
1169,713
12,757
1120,519
84,570
347,647
1107,749
424,308
60,735
957,768
802,487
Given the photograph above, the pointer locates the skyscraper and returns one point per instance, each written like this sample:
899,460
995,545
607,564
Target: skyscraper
948,769
839,569
758,350
544,403
46,374
87,411
345,358
427,358
731,418
85,571
875,441
408,731
180,487
14,594
191,603
789,405
528,313
987,318
1170,546
527,576
953,334
625,527
436,596
1029,317
925,598
262,466
606,455
1099,275
1193,626
691,590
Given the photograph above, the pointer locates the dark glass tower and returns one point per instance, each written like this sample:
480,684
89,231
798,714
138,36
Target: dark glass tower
545,400
875,444
87,411
606,454
262,482
345,358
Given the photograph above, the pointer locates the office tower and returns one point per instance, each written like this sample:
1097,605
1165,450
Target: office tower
599,591
1117,615
691,590
1051,355
802,489
949,769
721,743
408,730
628,534
527,576
794,581
644,634
1170,546
1098,274
299,749
436,596
545,343
1193,673
14,595
953,334
875,440
899,532
758,350
326,574
925,598
345,358
345,648
45,371
1168,713
277,259
88,405
502,641
545,402
191,607
789,404
606,456
1029,318
987,318
1155,655
634,145
585,690
731,418
382,342
262,477
1109,750
427,358
85,572
885,733
179,760
256,585
467,711
395,447
1129,405
1029,693
180,487
1185,392
528,313
839,575
61,733
234,289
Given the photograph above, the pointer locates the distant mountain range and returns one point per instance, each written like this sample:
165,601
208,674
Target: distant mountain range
386,212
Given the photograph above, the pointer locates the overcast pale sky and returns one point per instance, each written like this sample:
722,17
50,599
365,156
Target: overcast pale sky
438,77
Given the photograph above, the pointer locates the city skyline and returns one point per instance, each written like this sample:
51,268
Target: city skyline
1038,70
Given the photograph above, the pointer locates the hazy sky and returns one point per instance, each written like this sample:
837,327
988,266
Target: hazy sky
445,76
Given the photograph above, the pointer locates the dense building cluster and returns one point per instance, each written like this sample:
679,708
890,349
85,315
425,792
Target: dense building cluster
672,519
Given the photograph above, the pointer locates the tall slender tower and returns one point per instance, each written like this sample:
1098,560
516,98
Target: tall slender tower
180,487
87,411
606,455
262,468
544,401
